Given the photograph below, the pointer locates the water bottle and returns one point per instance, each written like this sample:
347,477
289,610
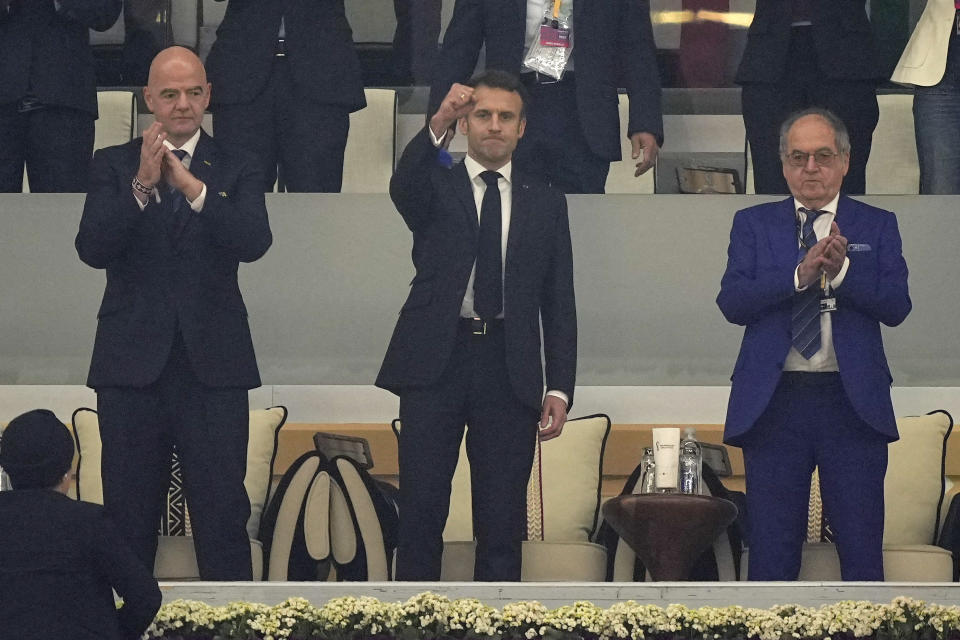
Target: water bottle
648,473
691,464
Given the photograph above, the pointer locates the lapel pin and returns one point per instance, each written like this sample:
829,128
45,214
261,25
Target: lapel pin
207,162
223,194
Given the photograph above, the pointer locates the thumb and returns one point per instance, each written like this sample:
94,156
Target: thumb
637,147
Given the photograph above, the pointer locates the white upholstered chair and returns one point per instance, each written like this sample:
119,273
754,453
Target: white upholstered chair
368,157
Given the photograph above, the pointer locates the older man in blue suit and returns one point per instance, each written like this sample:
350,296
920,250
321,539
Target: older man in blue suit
811,383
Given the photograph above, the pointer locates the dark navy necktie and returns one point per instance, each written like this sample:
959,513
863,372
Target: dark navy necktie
805,321
488,280
173,202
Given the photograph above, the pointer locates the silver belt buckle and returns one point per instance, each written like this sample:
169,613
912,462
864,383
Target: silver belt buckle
481,330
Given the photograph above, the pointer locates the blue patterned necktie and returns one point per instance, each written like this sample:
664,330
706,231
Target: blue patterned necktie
805,321
488,280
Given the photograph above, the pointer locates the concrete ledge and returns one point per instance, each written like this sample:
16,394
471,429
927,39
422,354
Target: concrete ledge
556,594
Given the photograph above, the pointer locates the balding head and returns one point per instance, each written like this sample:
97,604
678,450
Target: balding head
175,60
177,92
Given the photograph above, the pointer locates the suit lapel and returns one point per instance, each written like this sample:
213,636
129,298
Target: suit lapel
520,208
783,231
201,163
461,186
848,218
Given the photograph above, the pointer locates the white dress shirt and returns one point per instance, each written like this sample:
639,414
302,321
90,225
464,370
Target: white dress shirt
825,359
190,146
479,187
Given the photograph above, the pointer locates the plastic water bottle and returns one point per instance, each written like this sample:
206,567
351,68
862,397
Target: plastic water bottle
691,463
648,474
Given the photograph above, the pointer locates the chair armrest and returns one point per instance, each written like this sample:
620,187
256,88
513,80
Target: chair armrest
949,537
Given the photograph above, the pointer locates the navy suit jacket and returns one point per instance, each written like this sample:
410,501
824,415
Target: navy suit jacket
438,206
757,291
613,47
46,53
60,561
320,51
841,35
159,283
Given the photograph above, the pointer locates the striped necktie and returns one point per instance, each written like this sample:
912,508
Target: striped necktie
805,321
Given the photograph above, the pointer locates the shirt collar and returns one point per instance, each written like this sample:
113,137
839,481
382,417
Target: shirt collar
190,146
474,169
830,207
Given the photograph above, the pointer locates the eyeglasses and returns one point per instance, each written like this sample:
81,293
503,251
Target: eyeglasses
823,158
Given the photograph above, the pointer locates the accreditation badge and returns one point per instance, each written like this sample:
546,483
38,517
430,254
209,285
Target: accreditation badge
551,46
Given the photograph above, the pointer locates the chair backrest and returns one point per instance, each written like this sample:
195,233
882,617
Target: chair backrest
563,494
893,167
621,178
368,157
913,489
118,118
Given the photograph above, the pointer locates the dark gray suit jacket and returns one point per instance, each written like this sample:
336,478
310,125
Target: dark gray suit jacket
438,206
159,283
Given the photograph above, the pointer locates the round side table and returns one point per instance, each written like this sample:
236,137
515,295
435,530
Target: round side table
669,531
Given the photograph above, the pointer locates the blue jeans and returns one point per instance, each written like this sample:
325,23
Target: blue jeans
936,117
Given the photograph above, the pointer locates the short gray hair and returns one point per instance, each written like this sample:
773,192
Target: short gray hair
840,136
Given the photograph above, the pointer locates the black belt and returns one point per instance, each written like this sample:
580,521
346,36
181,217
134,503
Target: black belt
281,51
479,327
810,378
534,77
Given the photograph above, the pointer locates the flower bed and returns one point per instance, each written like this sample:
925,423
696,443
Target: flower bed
430,616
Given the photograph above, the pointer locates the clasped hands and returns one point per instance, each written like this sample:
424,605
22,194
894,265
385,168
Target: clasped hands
158,162
826,256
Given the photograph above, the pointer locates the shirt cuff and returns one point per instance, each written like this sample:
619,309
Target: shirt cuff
559,394
141,204
437,141
197,204
836,282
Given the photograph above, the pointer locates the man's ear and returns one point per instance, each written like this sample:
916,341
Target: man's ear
523,127
148,98
462,125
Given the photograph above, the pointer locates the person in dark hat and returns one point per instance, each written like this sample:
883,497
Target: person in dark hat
60,559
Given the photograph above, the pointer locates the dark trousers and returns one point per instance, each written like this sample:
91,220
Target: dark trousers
140,426
554,147
55,144
283,127
810,423
805,84
415,40
474,390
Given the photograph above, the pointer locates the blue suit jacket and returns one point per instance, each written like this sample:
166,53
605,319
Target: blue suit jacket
757,289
